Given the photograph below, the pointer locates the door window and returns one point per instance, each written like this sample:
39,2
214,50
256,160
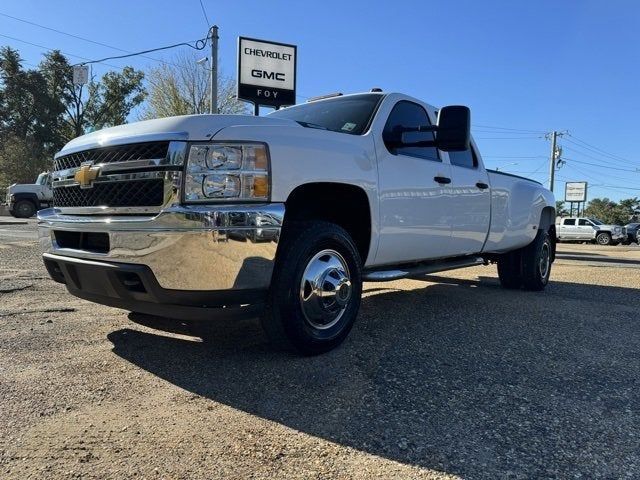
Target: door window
408,115
570,221
466,158
584,223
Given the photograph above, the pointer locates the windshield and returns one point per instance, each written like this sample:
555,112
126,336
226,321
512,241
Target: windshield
351,114
596,221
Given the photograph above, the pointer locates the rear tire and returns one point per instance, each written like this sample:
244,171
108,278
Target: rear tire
316,288
528,267
24,209
536,262
509,270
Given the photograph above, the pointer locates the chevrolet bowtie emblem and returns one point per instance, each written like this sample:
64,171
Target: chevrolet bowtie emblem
86,175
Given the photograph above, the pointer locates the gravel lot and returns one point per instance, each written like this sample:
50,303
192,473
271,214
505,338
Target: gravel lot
451,377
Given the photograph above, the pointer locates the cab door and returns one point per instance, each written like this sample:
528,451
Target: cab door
585,230
470,202
569,230
414,190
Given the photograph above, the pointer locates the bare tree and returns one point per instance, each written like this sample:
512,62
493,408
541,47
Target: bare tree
180,86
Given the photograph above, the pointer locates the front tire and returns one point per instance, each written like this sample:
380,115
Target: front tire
603,238
316,288
24,209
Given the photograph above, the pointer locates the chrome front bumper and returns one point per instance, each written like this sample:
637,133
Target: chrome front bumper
617,236
186,248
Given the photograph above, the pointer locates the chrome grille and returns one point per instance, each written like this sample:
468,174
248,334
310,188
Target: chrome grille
147,192
131,179
119,153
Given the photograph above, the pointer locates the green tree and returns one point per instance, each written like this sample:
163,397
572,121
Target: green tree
112,99
28,118
561,209
609,211
27,111
100,104
181,87
41,110
630,207
18,164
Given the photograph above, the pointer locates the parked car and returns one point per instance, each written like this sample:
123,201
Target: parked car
321,197
583,229
25,199
633,233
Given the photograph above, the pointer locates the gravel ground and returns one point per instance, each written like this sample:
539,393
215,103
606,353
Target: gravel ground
451,377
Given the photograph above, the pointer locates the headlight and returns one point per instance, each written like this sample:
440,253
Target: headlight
227,171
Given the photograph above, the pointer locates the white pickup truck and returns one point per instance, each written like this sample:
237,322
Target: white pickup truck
589,230
25,199
284,216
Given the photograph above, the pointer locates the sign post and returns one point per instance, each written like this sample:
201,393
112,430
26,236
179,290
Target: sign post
575,192
266,73
80,74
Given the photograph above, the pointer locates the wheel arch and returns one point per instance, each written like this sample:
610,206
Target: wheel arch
548,224
344,204
29,196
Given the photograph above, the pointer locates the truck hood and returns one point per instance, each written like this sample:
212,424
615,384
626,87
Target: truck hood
185,128
608,227
24,188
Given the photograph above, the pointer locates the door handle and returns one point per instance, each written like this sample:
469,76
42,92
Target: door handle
443,180
482,186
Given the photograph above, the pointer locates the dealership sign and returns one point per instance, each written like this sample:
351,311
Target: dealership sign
266,72
575,192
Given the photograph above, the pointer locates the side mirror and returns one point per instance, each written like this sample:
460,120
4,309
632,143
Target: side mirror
454,128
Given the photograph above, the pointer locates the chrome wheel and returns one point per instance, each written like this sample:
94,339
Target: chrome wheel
325,289
603,239
545,261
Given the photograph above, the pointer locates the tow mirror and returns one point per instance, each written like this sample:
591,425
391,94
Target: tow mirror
452,131
454,128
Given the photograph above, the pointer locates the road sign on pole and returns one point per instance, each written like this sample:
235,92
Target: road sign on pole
80,74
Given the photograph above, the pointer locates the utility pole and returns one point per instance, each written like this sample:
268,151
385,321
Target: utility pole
552,163
555,155
213,101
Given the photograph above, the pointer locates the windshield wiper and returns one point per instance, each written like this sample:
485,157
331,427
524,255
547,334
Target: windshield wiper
311,125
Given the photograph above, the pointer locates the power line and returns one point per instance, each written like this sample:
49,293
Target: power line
593,147
602,166
204,12
619,187
608,175
599,159
507,138
508,129
78,37
512,156
52,49
199,45
600,156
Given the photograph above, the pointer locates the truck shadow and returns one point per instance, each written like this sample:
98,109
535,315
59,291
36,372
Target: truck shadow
481,383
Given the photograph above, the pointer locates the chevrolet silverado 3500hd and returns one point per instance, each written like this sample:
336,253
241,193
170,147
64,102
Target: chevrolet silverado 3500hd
284,216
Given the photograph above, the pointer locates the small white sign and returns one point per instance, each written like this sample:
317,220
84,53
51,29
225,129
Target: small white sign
575,192
80,74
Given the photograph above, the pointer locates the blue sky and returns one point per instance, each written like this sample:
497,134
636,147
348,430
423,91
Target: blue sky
523,68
